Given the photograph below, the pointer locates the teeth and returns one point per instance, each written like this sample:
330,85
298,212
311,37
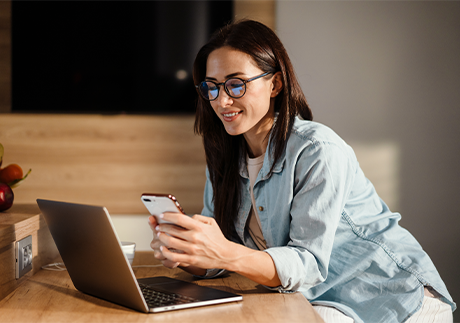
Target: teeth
228,115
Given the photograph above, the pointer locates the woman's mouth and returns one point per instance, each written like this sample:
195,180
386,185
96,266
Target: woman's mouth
231,116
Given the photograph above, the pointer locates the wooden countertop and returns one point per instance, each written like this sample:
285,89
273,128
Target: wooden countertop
49,296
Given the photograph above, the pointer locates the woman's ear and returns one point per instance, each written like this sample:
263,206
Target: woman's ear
277,84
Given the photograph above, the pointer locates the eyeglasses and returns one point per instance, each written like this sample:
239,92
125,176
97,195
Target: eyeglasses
235,87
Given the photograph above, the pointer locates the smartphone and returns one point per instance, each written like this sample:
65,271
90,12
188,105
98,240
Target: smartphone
161,203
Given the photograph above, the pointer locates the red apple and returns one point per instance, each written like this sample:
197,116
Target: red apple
6,197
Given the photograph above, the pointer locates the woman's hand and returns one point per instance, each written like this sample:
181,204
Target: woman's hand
198,237
156,245
203,245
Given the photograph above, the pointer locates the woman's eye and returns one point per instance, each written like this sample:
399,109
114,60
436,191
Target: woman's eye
213,93
236,87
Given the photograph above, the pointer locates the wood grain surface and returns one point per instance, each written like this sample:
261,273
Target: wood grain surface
105,160
17,223
49,296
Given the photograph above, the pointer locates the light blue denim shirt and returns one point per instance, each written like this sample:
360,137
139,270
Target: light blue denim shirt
330,235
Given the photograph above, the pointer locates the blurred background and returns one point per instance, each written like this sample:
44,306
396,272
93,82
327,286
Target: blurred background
385,75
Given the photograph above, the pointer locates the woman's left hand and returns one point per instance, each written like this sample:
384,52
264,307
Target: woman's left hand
199,238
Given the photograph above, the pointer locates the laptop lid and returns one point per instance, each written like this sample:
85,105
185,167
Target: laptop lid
92,253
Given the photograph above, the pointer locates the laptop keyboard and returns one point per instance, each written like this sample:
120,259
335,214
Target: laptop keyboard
156,298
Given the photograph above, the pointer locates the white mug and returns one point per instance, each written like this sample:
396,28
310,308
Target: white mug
129,249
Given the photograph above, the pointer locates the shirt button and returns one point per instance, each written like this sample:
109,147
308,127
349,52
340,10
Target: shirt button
261,208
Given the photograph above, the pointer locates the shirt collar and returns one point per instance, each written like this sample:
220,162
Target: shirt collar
268,162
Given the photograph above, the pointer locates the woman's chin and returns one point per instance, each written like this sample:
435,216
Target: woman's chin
233,131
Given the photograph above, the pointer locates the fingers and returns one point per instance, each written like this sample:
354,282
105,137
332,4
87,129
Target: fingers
174,257
172,230
170,264
194,236
181,220
204,219
156,245
192,231
152,222
173,242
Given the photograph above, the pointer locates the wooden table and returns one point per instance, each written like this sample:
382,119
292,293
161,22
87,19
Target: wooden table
49,296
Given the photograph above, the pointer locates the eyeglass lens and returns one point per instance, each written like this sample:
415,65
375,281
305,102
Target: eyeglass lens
234,88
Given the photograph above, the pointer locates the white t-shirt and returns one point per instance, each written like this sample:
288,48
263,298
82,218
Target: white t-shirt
255,228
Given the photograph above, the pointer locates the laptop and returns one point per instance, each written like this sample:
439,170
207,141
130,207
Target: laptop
92,253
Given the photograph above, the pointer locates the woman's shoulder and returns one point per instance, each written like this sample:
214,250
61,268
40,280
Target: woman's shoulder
318,140
314,132
312,141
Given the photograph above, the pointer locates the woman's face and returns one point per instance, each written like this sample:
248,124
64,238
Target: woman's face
252,114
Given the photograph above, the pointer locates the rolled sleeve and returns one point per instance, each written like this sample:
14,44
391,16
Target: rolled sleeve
291,268
322,180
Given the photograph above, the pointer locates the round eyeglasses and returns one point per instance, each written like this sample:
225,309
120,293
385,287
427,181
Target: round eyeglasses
235,87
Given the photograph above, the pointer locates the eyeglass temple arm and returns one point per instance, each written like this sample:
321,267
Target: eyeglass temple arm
258,76
251,79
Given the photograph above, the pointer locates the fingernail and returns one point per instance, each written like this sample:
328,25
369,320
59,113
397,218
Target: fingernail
175,265
157,228
161,216
161,248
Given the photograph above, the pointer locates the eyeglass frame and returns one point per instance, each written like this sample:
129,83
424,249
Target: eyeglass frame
225,87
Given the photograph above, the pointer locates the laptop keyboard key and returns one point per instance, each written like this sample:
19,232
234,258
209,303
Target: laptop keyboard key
156,298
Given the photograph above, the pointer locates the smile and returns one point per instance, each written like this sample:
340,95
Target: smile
229,115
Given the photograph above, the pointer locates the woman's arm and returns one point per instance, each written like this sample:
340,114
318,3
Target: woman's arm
204,246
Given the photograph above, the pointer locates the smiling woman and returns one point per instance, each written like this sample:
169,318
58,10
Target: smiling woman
254,53
286,202
251,110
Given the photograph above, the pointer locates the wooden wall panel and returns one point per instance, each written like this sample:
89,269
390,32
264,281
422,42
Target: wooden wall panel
105,160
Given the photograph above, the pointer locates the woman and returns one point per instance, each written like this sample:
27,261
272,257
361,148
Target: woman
285,202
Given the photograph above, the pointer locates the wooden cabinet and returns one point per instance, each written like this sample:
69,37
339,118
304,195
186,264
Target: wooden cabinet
17,223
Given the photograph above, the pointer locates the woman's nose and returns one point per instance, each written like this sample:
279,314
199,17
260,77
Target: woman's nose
224,99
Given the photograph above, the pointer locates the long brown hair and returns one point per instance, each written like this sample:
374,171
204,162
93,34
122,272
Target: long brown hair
224,152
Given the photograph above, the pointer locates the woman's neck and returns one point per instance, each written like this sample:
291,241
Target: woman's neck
257,141
257,137
257,150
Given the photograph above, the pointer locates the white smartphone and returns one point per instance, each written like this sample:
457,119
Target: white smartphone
161,203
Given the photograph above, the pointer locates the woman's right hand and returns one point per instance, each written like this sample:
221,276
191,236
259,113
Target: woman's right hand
156,244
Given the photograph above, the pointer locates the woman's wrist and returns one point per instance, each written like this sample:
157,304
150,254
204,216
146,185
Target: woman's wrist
253,264
232,257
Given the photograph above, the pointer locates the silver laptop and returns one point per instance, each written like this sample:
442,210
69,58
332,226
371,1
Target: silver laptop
92,254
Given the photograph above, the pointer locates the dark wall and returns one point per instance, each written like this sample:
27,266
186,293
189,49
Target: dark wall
109,57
